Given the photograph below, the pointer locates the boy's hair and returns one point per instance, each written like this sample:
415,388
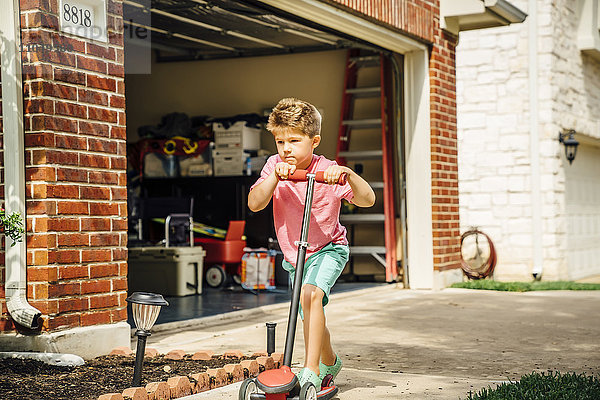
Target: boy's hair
294,113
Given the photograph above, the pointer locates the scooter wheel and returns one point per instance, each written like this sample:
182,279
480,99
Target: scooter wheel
308,392
215,276
248,387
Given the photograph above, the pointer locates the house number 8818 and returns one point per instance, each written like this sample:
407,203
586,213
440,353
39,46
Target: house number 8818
77,16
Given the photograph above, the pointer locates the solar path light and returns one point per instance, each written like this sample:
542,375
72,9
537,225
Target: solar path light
145,307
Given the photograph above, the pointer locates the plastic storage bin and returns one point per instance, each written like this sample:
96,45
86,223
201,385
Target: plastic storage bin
170,271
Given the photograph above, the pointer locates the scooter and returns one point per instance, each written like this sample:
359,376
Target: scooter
282,383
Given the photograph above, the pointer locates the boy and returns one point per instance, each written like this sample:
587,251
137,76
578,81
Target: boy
296,127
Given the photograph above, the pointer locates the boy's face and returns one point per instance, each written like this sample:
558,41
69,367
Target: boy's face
295,147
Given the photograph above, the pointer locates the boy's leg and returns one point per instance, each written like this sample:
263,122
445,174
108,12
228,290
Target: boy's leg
314,325
328,356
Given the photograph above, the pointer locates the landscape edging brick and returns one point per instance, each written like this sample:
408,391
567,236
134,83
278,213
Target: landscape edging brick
180,386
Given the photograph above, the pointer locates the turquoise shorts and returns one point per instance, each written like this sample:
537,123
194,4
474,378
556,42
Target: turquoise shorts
322,269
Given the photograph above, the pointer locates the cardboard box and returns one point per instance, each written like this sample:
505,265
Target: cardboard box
237,135
170,271
228,161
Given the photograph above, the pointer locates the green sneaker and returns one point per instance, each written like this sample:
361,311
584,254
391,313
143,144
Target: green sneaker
307,375
334,369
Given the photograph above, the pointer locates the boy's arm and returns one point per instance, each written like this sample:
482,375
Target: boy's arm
260,195
363,193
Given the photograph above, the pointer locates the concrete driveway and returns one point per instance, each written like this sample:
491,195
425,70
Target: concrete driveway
401,344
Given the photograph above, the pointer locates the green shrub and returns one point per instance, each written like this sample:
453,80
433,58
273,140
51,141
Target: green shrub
544,386
12,226
487,284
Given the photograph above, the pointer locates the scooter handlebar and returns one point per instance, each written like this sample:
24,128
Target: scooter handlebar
300,175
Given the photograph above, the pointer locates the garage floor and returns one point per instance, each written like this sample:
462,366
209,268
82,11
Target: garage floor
219,301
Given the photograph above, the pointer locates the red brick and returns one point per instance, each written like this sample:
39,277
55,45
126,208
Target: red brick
71,175
33,139
73,207
119,283
118,163
104,209
69,76
71,142
180,386
92,128
204,355
158,391
40,174
117,132
265,363
92,97
95,318
102,114
64,289
98,82
66,256
121,351
99,286
135,393
91,64
73,239
71,110
96,255
251,367
104,301
233,354
63,224
94,161
62,322
151,352
235,372
101,51
108,178
104,239
103,270
42,273
201,382
73,272
111,396
218,377
175,355
63,191
95,224
119,254
72,304
101,145
95,193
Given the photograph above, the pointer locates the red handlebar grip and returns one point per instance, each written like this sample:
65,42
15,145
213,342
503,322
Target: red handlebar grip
300,175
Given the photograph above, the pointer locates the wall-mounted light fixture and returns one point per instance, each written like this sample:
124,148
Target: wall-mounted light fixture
570,144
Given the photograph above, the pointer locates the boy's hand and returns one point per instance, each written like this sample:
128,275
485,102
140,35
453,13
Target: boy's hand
333,172
283,170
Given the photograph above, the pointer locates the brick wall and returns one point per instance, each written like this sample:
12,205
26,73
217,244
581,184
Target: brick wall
420,18
74,101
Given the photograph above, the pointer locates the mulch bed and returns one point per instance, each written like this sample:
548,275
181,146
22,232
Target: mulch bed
34,380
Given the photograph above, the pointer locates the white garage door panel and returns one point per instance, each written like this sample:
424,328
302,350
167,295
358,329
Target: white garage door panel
583,213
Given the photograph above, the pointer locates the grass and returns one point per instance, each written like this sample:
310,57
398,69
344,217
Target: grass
487,284
544,386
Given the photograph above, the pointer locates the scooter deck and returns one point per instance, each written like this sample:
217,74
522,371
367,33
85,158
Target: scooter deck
324,394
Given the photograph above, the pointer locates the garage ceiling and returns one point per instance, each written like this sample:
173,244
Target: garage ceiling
199,29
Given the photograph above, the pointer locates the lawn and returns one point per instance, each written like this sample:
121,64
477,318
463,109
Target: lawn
487,284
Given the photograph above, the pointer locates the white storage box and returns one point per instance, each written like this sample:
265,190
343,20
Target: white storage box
237,135
258,269
170,271
228,162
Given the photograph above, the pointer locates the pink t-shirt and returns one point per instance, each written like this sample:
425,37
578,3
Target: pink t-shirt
288,209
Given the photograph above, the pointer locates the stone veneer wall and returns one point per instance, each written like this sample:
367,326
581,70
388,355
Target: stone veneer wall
493,128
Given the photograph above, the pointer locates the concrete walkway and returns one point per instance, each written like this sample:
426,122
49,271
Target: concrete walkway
405,344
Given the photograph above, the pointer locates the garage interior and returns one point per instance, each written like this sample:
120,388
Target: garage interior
214,60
